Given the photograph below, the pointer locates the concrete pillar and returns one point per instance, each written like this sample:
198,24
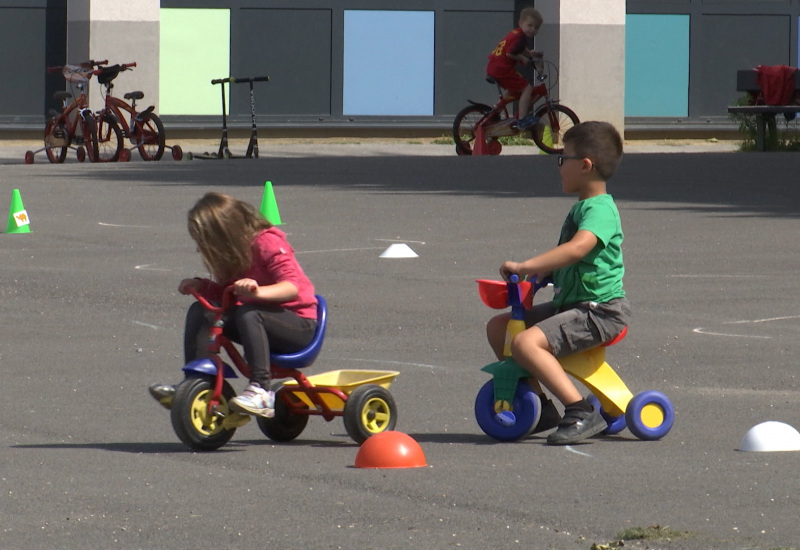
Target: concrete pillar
121,32
586,40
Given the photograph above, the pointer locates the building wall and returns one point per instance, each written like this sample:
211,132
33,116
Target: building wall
680,56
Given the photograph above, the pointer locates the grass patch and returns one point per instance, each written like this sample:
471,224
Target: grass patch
654,532
505,140
519,139
444,140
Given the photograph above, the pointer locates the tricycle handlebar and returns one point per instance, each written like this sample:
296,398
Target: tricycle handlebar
227,296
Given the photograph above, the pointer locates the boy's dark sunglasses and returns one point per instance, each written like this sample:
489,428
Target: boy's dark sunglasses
562,158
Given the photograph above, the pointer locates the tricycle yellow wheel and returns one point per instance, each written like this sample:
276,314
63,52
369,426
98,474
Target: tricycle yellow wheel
369,409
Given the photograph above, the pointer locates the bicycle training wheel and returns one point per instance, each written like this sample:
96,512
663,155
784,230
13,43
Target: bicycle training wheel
56,141
109,139
193,423
464,127
149,132
89,131
548,133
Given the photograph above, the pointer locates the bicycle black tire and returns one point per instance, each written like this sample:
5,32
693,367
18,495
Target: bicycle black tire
89,131
109,138
542,133
464,127
150,135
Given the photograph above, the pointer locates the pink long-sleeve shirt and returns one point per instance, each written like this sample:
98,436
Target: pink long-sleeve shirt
273,262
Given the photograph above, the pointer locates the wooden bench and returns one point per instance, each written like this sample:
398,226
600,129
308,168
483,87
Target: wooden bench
747,81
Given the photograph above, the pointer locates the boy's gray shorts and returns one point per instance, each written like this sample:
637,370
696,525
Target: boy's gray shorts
580,326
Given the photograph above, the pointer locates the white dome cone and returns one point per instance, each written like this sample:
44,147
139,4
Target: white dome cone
399,250
771,436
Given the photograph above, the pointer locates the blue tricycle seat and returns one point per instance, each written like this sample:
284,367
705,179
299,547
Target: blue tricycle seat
305,357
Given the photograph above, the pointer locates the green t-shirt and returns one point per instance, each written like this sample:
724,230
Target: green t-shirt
597,277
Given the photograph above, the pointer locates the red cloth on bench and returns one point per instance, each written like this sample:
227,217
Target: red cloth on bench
776,83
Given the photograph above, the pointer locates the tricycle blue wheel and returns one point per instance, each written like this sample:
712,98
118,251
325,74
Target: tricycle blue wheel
507,425
615,423
650,415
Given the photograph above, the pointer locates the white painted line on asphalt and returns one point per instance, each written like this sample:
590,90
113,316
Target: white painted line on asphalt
767,320
298,252
399,241
386,362
148,267
154,327
577,452
118,225
701,330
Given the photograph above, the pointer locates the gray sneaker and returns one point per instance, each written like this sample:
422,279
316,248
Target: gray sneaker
576,426
163,393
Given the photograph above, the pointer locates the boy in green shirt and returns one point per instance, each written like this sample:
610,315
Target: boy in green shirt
589,307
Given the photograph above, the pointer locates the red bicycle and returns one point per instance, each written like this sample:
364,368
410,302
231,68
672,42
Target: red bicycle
479,123
74,127
144,129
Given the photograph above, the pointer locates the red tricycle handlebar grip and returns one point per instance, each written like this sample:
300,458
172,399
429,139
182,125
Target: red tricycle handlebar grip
227,296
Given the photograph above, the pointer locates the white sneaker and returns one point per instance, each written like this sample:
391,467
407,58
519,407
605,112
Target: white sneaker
255,400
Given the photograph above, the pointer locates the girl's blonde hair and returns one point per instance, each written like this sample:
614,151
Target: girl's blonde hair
224,229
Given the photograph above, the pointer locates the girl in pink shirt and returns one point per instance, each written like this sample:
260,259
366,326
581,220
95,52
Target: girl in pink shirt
276,310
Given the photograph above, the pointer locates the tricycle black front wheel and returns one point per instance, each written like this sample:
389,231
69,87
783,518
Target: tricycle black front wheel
192,421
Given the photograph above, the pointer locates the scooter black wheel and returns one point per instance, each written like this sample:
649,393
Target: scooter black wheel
195,425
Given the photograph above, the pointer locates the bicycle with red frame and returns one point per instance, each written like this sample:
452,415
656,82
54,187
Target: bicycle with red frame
204,421
74,127
478,127
144,128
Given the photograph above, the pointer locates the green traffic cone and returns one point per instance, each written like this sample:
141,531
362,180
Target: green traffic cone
269,207
18,221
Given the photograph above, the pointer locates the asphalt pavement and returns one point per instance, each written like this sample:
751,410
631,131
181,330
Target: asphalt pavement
91,317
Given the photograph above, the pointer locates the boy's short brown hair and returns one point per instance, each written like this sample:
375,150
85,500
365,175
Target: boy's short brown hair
598,141
531,13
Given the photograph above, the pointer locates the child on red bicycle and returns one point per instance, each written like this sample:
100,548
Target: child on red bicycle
276,309
512,51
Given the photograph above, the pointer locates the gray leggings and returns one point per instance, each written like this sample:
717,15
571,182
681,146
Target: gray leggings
259,328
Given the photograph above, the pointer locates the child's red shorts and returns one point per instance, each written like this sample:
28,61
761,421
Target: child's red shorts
511,80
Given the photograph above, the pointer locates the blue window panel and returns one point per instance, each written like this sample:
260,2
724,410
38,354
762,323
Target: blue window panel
388,62
656,65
